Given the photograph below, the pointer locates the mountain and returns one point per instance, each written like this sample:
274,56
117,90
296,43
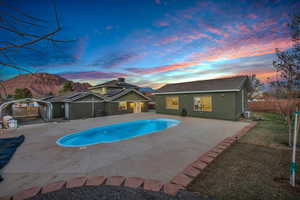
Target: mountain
41,84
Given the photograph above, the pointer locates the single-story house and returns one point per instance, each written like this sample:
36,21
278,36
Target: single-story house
76,105
224,98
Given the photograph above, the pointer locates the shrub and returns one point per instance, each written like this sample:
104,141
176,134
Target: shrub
183,112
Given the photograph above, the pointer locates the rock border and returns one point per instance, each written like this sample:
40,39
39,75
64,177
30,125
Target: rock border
179,182
189,174
132,182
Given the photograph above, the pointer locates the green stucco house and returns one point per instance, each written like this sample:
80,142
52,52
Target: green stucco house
224,98
117,97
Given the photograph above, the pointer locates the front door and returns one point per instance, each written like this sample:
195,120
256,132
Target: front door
137,107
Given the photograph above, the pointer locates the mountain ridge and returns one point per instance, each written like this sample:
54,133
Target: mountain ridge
41,84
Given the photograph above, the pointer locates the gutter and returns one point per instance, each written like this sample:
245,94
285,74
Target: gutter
201,91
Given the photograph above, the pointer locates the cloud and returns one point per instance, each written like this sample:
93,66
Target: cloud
162,68
184,38
252,16
216,31
169,39
116,59
250,48
162,24
81,47
109,27
157,1
92,75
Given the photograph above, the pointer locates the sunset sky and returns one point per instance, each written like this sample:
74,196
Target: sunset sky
154,42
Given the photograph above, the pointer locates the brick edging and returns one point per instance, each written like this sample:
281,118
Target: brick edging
132,182
189,174
179,182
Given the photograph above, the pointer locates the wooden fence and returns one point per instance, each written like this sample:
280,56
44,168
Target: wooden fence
272,105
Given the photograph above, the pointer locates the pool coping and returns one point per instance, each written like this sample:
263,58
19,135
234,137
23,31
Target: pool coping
177,183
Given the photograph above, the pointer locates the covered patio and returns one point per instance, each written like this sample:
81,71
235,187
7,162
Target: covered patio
30,108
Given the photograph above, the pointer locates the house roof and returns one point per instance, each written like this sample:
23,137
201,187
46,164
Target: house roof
110,96
213,85
124,92
70,96
115,84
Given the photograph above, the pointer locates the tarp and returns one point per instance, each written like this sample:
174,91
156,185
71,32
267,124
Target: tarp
8,147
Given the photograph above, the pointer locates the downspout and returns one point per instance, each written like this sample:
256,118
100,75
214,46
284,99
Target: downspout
243,101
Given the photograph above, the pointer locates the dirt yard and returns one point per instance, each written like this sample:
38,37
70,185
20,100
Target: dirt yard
257,167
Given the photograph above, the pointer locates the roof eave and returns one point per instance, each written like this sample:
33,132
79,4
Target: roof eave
201,91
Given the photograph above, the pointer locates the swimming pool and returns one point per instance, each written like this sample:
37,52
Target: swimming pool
116,132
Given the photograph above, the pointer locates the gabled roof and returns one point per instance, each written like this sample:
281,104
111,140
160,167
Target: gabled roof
124,92
213,85
114,84
71,96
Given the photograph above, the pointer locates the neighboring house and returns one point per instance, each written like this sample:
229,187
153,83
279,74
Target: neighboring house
108,86
76,105
224,98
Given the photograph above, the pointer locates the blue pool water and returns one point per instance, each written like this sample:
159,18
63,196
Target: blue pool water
116,132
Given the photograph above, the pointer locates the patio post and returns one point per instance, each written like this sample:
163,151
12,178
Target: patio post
294,164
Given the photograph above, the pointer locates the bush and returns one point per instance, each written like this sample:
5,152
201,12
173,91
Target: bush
183,112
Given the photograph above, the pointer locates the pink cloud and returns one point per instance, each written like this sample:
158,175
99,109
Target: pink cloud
264,24
243,28
92,75
170,39
198,36
252,16
185,38
162,24
216,31
81,47
157,1
162,68
242,48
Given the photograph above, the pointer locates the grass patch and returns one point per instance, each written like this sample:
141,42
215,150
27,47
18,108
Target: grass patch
257,167
272,131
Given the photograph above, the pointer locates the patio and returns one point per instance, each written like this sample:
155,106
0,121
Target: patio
159,156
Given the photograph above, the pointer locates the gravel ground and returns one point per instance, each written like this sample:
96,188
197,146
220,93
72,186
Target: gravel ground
112,193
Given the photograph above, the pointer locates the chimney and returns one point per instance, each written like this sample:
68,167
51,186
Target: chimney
121,80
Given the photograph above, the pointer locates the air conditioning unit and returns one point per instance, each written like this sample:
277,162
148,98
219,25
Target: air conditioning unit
247,114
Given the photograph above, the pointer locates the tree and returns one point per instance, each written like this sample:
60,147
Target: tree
27,40
67,87
21,93
255,87
287,64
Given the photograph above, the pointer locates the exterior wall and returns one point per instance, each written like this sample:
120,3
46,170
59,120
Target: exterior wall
145,108
58,109
112,108
131,96
80,110
97,90
223,105
240,110
99,109
107,89
89,98
86,107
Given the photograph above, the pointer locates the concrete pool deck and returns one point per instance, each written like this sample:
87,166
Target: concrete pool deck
159,156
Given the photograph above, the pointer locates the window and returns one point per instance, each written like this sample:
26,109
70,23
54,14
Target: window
123,105
103,91
172,103
203,104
